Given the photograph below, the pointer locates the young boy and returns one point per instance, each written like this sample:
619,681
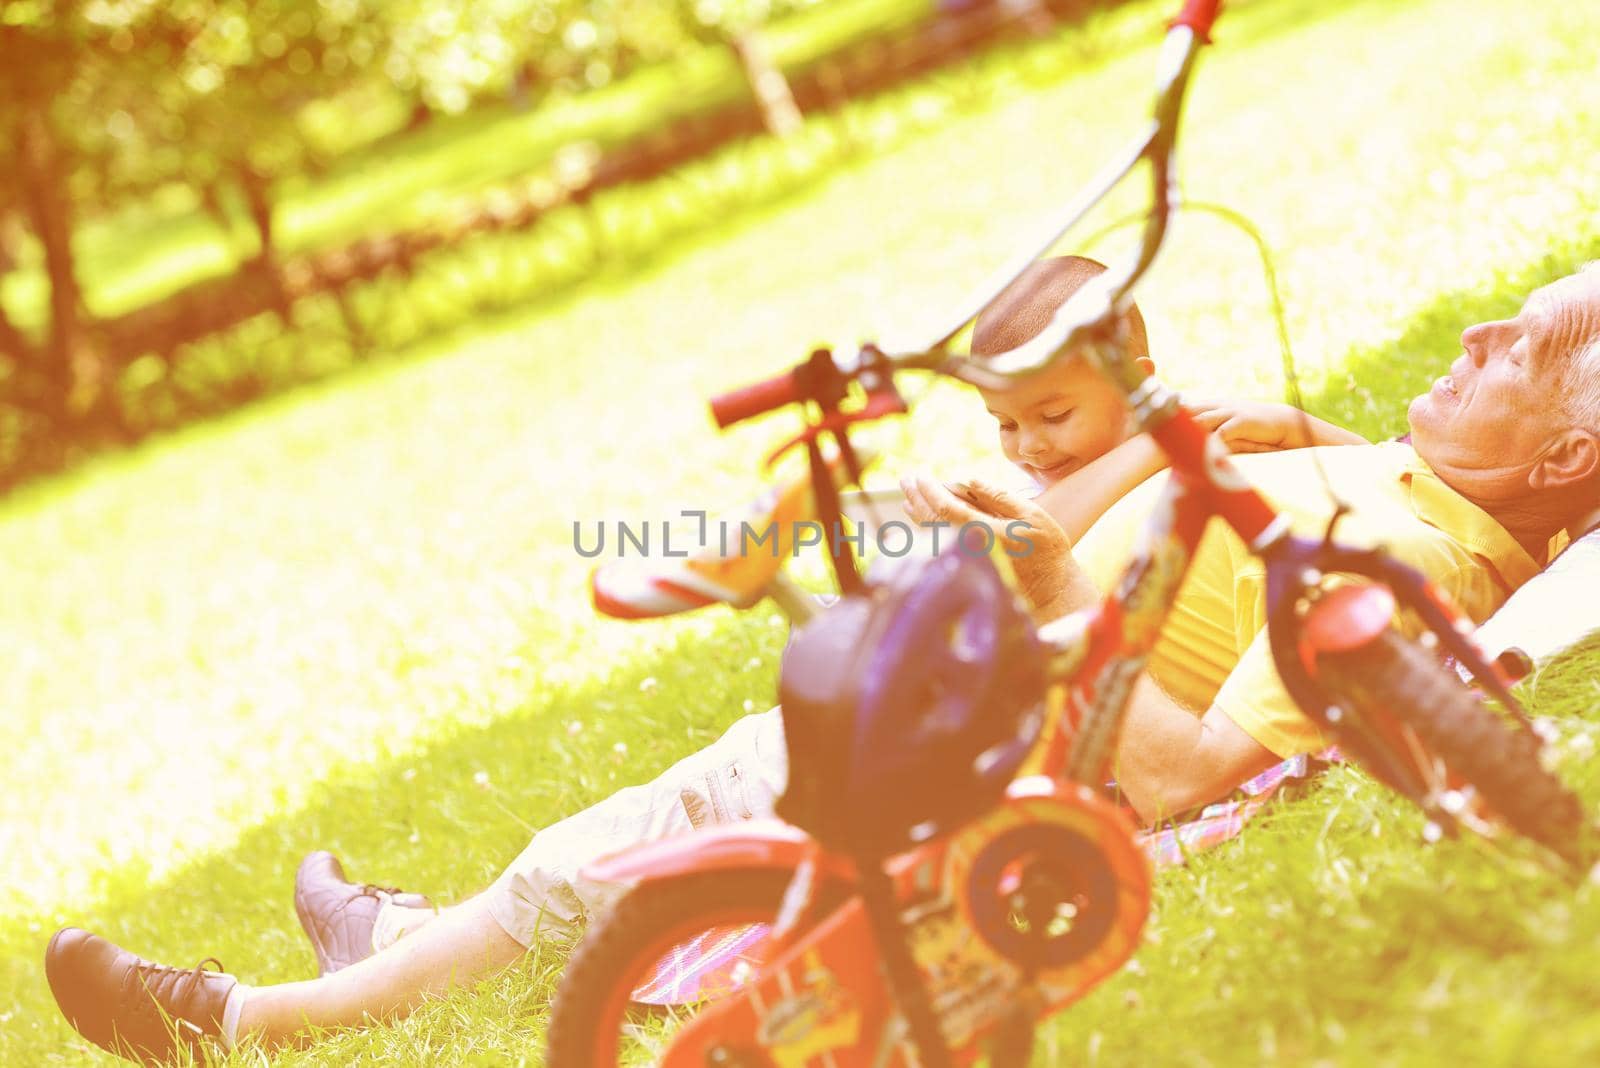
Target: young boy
1068,429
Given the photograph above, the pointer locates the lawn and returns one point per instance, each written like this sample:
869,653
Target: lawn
351,618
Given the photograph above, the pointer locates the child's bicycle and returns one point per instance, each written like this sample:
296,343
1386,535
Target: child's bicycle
924,903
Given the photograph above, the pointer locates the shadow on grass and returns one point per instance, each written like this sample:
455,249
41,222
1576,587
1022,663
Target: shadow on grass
443,821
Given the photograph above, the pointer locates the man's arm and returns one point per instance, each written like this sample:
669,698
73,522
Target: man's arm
1083,496
1169,761
1326,433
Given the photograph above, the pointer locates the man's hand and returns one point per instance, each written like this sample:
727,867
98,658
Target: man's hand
1253,426
1039,550
1263,426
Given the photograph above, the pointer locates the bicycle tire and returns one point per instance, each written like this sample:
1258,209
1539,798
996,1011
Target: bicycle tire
1396,675
593,1000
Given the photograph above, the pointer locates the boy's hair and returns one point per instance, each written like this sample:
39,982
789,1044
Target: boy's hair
1025,306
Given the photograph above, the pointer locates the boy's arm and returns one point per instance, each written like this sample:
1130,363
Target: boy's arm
1040,552
1083,496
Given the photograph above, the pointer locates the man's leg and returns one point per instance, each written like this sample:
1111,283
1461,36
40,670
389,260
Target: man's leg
541,895
152,1013
345,921
542,892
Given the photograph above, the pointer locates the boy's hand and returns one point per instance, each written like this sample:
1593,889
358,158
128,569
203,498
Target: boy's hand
1039,550
1254,426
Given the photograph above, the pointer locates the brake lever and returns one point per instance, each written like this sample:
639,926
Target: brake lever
835,422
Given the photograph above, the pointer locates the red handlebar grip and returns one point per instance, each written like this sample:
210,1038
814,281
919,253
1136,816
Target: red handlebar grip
751,401
1198,15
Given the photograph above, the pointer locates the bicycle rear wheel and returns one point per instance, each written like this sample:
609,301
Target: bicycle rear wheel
1453,727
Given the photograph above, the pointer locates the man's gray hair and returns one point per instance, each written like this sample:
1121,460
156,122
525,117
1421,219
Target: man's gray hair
1580,378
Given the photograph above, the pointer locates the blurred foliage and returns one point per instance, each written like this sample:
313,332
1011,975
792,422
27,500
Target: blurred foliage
141,92
244,147
495,268
107,103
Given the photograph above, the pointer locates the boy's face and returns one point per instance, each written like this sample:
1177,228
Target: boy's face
1058,420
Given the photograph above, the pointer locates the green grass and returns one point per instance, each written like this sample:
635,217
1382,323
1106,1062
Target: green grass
1330,934
314,623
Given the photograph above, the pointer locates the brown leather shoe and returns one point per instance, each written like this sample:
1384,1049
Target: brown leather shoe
338,916
136,1009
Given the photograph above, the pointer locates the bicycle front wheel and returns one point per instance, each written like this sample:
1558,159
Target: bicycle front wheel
1458,738
667,947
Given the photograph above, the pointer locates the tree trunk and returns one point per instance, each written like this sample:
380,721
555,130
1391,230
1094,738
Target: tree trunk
259,200
778,109
258,196
44,179
12,341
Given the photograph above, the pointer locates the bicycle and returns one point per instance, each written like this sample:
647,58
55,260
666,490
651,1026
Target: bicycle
1011,900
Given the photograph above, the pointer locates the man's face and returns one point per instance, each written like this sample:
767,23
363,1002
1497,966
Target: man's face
1055,422
1490,420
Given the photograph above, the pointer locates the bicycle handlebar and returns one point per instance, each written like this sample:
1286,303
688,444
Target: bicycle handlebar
1199,15
753,400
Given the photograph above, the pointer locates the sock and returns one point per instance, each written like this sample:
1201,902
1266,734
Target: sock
393,921
230,1014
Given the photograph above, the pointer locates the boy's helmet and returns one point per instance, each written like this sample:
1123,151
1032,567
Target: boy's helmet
909,708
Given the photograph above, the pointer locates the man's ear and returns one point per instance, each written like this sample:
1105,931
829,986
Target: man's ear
1574,458
1146,364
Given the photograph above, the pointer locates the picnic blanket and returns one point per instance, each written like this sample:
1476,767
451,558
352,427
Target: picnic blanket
1218,822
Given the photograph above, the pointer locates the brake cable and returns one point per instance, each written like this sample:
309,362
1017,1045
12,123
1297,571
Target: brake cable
1291,376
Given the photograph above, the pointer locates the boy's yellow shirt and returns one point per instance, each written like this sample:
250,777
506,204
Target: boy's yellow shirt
1213,649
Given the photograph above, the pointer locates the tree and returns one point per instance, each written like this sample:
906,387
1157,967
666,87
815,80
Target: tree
104,102
737,24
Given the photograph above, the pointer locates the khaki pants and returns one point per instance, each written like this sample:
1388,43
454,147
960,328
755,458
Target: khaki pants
737,777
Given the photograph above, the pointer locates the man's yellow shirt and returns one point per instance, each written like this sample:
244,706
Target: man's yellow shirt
1212,650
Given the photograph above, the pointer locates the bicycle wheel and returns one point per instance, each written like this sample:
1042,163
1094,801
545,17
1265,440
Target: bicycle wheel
675,943
1455,729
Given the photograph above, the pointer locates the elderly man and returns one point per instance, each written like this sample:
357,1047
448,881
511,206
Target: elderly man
1504,454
